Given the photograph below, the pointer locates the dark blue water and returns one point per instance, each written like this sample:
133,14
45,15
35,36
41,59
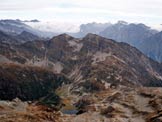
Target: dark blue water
71,112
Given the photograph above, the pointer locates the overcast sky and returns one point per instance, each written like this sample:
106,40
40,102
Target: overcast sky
82,11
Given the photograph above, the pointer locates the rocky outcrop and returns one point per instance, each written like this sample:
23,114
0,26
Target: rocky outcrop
130,105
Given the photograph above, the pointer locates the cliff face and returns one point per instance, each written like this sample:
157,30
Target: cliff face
152,47
130,33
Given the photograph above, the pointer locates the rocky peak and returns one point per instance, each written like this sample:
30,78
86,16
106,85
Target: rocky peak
63,37
92,37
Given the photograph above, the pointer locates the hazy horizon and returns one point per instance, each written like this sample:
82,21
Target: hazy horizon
85,11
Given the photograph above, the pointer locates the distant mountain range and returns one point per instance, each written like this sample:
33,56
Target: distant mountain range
129,33
15,27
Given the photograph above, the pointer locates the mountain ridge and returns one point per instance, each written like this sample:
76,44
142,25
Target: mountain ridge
91,53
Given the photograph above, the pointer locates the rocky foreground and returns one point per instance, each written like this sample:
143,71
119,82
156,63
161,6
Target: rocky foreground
115,104
18,111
